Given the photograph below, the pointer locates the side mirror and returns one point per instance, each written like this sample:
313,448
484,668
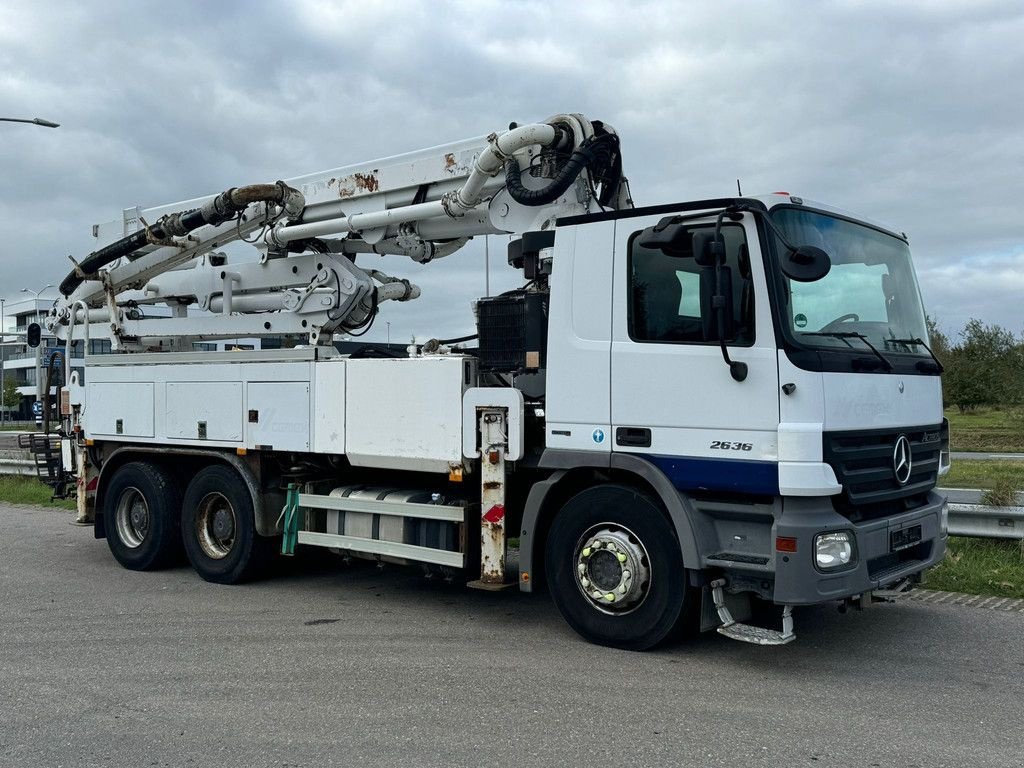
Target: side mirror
806,264
672,240
34,335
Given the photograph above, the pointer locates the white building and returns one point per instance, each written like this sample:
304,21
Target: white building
19,360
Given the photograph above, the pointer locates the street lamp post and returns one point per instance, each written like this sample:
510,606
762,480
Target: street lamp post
39,349
33,121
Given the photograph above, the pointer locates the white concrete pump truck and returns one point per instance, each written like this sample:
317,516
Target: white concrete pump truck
687,410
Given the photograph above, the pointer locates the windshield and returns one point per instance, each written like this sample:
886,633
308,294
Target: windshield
869,292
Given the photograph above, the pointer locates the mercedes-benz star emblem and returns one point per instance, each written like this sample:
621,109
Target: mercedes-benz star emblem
901,387
901,460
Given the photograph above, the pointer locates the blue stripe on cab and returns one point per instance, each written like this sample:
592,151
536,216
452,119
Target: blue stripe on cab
693,474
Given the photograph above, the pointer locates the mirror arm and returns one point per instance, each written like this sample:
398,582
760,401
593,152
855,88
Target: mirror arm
767,219
737,370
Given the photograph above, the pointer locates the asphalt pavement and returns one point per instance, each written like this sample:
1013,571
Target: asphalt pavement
333,665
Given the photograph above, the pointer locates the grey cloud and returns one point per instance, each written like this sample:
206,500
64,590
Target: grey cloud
904,114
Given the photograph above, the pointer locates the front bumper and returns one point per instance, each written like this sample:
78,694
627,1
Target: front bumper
799,582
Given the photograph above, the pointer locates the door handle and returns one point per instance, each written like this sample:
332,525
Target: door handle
634,437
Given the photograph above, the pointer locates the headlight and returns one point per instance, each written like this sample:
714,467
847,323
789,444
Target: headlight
833,550
944,520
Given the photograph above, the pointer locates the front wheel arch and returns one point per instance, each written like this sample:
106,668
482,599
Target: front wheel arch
547,496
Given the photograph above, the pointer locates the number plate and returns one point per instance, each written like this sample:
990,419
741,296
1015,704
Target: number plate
904,538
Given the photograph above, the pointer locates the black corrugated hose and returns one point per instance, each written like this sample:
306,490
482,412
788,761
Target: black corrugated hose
219,209
600,154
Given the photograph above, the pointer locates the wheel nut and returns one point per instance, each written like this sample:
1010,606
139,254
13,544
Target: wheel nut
620,557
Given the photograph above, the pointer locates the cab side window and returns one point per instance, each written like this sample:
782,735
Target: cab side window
665,292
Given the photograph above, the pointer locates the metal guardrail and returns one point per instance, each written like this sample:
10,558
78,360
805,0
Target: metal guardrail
983,521
969,517
972,496
25,467
19,424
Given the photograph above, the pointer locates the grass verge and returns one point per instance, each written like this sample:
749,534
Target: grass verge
15,489
984,474
987,429
980,567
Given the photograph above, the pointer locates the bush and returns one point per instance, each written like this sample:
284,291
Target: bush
1003,493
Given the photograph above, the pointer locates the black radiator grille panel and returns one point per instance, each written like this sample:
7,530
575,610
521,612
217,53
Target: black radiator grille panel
863,463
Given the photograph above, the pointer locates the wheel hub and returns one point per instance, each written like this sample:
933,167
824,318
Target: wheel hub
131,518
612,568
139,517
215,526
604,569
223,524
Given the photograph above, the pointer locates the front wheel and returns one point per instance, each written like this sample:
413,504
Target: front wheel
615,570
219,528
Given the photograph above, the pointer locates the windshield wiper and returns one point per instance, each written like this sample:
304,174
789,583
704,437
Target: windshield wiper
845,335
939,367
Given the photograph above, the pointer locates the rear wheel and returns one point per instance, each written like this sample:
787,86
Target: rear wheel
615,569
141,511
219,528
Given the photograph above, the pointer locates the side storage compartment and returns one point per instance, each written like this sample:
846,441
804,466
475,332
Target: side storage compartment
277,415
407,413
204,410
117,409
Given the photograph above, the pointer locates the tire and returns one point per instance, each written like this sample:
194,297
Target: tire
141,514
631,595
218,526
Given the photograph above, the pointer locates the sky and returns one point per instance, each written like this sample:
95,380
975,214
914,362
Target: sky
901,112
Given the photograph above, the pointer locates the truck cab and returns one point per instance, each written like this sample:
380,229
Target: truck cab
810,478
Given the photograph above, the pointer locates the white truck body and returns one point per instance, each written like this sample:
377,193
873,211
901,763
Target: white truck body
689,408
403,414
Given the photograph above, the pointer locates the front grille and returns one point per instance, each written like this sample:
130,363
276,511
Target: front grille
863,463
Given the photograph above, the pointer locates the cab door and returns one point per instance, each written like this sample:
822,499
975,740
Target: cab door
673,397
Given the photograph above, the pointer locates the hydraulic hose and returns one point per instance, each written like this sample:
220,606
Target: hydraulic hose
217,210
598,153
